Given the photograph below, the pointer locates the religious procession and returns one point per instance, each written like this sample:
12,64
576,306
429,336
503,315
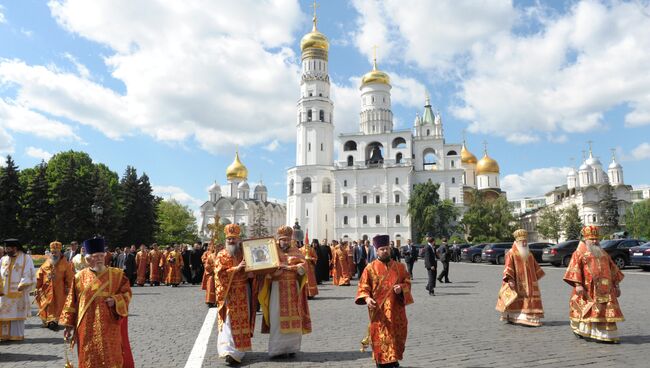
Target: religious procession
91,303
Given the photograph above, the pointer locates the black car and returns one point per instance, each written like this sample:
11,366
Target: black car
537,249
619,250
495,253
560,255
456,255
473,253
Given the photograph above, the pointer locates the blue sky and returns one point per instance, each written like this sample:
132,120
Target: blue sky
174,88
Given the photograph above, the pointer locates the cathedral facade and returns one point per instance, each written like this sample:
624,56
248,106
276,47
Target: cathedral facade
233,203
365,190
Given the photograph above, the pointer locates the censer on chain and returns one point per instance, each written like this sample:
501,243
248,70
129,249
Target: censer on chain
67,346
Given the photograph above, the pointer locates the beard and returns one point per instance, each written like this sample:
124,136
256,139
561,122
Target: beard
385,258
232,249
523,250
595,249
55,259
285,246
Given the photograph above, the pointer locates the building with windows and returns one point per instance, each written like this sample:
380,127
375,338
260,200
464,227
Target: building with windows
234,204
365,191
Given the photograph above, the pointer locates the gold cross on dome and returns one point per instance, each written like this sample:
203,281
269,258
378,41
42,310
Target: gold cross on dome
314,6
485,146
374,57
590,147
464,133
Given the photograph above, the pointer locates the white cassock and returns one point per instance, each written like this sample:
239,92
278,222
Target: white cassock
280,343
15,307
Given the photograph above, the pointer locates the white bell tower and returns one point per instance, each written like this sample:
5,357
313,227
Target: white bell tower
310,198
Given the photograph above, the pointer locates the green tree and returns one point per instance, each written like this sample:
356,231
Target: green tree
637,220
37,213
609,210
549,224
138,208
258,227
105,195
429,213
147,209
177,223
571,222
488,220
10,196
70,175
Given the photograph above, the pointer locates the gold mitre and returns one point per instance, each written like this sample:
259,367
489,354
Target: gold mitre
232,231
590,232
55,245
520,234
284,232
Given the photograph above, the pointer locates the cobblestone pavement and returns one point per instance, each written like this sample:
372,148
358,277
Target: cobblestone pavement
456,328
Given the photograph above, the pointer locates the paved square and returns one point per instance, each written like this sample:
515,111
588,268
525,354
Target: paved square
456,328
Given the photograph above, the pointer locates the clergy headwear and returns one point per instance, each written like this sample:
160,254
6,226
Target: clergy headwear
520,234
381,241
232,231
55,245
13,243
284,232
590,232
94,245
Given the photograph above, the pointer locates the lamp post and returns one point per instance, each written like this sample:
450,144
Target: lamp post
97,211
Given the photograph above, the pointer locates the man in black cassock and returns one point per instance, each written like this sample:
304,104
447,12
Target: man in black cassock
323,263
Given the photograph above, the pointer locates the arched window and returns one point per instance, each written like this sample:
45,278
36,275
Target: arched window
377,219
350,146
291,187
398,219
306,185
327,186
377,198
593,219
397,198
345,199
350,161
345,220
452,153
453,163
398,158
309,113
321,115
453,180
396,180
365,220
429,159
399,142
428,132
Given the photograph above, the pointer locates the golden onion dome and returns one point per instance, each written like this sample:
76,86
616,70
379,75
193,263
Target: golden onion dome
487,165
314,39
237,170
466,156
375,76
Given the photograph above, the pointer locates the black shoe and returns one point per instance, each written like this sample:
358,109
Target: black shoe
291,355
431,293
231,361
53,326
439,280
447,282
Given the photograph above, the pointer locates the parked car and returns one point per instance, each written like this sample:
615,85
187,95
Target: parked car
640,256
456,256
537,249
473,253
495,253
560,255
619,250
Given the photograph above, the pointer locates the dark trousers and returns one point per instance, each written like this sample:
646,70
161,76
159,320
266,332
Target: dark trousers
445,272
360,267
432,279
409,266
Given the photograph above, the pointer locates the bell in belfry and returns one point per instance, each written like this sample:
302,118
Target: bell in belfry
375,156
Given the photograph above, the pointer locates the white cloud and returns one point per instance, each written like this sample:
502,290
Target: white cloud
2,16
641,152
16,117
38,153
560,75
535,182
272,146
173,192
6,142
82,70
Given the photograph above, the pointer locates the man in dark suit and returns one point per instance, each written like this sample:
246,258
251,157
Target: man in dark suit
431,262
359,257
444,254
72,251
410,256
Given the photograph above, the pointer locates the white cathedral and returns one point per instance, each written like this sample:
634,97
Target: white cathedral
233,203
365,192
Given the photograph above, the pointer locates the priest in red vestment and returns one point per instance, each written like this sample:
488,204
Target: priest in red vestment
593,307
341,274
283,298
385,287
95,312
520,300
236,293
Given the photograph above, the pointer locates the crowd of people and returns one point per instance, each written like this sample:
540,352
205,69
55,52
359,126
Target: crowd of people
89,292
